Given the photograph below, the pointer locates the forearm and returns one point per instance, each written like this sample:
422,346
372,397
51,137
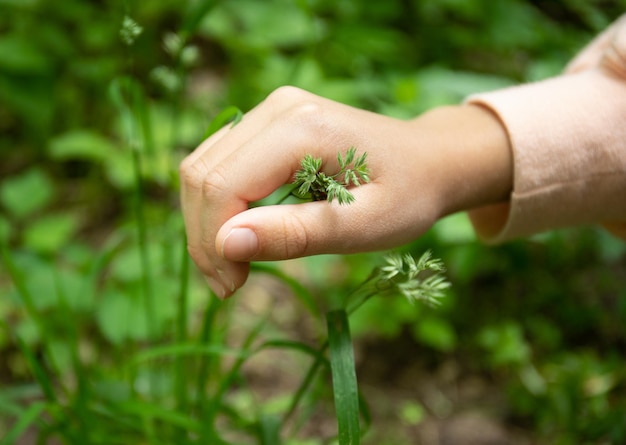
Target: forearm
567,139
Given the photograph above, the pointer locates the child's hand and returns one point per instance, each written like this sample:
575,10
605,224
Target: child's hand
447,160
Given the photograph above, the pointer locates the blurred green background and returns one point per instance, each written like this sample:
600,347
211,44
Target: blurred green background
530,344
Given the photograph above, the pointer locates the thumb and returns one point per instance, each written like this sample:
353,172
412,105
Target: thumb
291,231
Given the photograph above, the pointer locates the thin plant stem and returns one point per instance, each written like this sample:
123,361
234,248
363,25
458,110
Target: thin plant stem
286,195
208,432
306,383
205,339
146,275
217,402
181,327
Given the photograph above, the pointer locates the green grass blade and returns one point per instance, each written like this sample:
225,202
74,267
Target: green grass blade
306,383
155,412
41,376
295,345
345,387
228,114
269,430
205,365
366,415
183,349
28,417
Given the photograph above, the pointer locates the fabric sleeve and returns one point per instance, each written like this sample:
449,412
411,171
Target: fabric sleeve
568,136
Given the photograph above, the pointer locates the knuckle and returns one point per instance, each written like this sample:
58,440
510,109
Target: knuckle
191,176
214,184
296,241
307,112
300,109
310,120
288,95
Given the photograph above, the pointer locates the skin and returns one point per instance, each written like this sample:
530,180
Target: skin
447,160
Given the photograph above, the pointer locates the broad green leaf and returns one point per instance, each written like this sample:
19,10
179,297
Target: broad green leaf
412,413
119,170
36,279
120,316
81,144
455,229
259,25
435,332
59,354
123,315
269,427
75,290
505,343
51,232
20,55
26,193
32,102
345,387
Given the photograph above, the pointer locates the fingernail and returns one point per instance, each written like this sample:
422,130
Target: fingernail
240,244
216,287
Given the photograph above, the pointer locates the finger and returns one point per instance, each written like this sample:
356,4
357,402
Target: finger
193,171
291,231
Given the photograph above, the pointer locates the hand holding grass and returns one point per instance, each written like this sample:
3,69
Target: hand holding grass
447,160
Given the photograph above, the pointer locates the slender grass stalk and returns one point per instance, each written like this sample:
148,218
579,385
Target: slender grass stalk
308,379
140,220
180,365
41,376
81,394
206,338
217,402
60,421
205,366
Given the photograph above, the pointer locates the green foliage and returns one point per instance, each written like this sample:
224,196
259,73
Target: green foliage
106,333
26,193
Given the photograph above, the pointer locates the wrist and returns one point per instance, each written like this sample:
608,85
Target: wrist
472,152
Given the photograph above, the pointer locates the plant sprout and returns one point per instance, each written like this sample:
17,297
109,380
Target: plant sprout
311,182
418,281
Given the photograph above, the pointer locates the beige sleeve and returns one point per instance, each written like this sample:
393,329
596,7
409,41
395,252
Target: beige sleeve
568,136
